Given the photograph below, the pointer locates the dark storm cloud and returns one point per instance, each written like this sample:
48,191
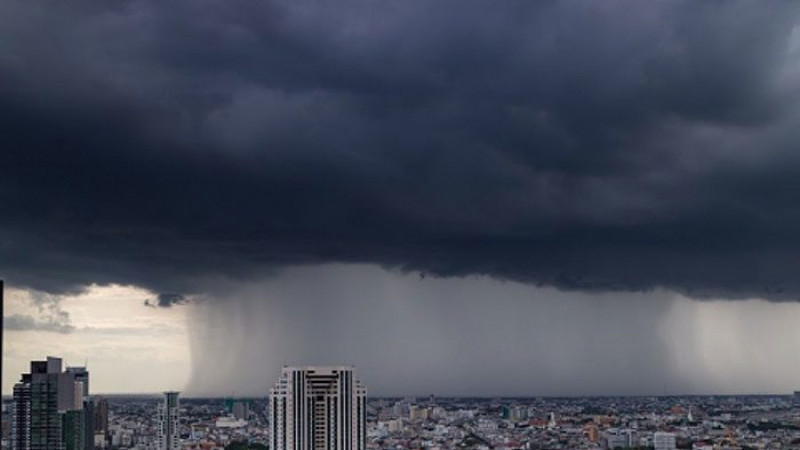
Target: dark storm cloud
583,145
166,300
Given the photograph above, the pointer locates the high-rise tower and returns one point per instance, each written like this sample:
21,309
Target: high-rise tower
81,375
168,432
48,409
100,422
318,408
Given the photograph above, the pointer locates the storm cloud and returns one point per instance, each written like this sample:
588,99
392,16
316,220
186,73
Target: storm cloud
20,322
166,300
47,315
611,146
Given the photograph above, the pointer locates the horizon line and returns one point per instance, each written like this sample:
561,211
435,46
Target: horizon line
479,396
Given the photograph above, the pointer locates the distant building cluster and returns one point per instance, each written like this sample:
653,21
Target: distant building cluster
653,423
326,408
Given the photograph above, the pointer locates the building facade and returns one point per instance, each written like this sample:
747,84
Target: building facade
100,422
318,408
48,409
20,432
168,415
664,441
240,410
82,376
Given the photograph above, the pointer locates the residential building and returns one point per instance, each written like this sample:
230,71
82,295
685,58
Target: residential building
168,431
664,441
48,409
100,422
318,408
82,376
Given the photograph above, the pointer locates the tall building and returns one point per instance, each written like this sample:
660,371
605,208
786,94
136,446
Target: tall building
168,432
48,409
100,422
318,408
82,376
74,430
20,432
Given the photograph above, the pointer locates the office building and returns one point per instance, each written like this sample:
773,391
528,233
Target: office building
74,430
168,431
48,409
515,413
82,376
20,432
240,410
664,441
318,408
616,438
100,422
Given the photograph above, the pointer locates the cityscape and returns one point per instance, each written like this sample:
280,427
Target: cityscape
316,407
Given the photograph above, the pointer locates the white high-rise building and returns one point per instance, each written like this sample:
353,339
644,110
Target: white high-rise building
168,433
664,441
318,408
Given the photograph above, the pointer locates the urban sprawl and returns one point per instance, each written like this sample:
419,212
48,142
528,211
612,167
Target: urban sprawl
52,408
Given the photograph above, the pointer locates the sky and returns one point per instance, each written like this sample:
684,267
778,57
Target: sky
460,197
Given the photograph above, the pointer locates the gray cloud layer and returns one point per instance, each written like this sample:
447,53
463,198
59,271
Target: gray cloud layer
583,145
50,316
24,322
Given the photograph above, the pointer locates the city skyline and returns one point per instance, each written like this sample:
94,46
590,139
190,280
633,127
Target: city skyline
327,408
554,198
